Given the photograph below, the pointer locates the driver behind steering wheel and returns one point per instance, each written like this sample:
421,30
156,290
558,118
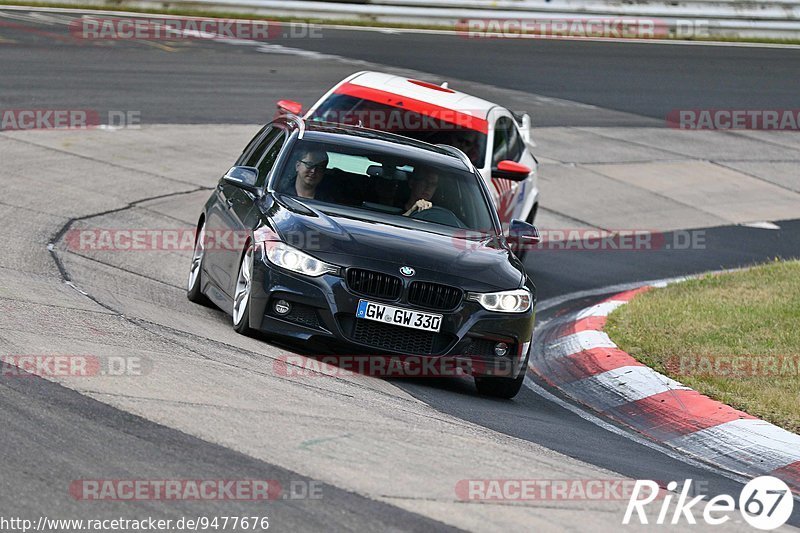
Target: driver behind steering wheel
422,186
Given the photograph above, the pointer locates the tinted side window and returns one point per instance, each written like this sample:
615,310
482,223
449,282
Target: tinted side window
507,142
251,145
254,152
501,138
515,144
268,157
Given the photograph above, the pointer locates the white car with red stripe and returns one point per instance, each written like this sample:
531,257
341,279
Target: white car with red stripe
496,140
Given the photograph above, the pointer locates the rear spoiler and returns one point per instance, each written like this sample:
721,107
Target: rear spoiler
525,126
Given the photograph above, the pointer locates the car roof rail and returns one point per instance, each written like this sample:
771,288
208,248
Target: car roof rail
298,121
452,150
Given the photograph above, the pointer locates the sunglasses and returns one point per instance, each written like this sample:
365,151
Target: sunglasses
312,166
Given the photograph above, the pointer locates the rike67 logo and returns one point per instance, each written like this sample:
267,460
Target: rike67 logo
765,503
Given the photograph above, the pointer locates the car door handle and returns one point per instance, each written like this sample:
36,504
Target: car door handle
229,203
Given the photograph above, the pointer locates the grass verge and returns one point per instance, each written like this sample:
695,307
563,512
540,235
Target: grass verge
118,5
734,337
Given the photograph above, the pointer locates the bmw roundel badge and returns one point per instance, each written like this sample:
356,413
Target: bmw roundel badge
407,271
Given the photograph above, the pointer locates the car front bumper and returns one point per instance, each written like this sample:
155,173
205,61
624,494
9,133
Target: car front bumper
322,316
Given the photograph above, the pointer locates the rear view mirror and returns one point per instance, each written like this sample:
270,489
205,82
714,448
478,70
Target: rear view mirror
290,106
510,170
244,178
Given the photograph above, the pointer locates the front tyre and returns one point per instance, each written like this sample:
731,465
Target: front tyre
194,284
241,296
501,387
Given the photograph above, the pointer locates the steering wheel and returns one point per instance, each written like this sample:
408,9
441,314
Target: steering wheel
440,215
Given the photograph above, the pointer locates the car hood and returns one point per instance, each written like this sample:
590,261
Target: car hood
474,265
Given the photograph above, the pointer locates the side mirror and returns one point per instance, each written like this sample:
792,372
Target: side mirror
290,106
510,170
522,236
244,178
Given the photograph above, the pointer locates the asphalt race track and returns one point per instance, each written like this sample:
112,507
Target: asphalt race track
387,452
646,80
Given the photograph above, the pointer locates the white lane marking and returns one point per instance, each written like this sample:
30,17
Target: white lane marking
744,443
24,17
762,225
267,48
50,19
453,32
621,287
578,342
601,309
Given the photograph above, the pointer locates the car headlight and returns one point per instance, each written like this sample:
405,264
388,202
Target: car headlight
515,301
285,256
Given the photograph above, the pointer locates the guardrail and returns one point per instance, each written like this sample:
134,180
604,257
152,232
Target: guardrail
778,19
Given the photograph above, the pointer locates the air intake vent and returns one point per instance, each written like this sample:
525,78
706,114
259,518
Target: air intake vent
375,284
398,339
434,295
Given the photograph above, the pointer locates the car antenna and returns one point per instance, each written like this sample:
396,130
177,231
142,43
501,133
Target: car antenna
444,85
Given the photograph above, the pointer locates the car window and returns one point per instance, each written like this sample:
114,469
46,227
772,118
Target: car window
349,163
374,184
259,146
508,143
515,143
267,159
252,144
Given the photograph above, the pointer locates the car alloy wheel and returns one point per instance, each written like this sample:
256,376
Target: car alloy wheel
194,284
241,296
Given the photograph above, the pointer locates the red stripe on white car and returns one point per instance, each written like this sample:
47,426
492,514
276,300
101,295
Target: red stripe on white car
452,116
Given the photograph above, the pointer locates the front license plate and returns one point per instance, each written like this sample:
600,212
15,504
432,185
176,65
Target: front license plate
399,317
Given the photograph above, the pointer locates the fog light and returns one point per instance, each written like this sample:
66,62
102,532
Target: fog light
282,307
500,349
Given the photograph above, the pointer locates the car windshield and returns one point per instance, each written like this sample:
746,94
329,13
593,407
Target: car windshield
346,109
372,184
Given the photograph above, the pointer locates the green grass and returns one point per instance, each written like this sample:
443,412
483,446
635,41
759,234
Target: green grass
118,5
734,337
